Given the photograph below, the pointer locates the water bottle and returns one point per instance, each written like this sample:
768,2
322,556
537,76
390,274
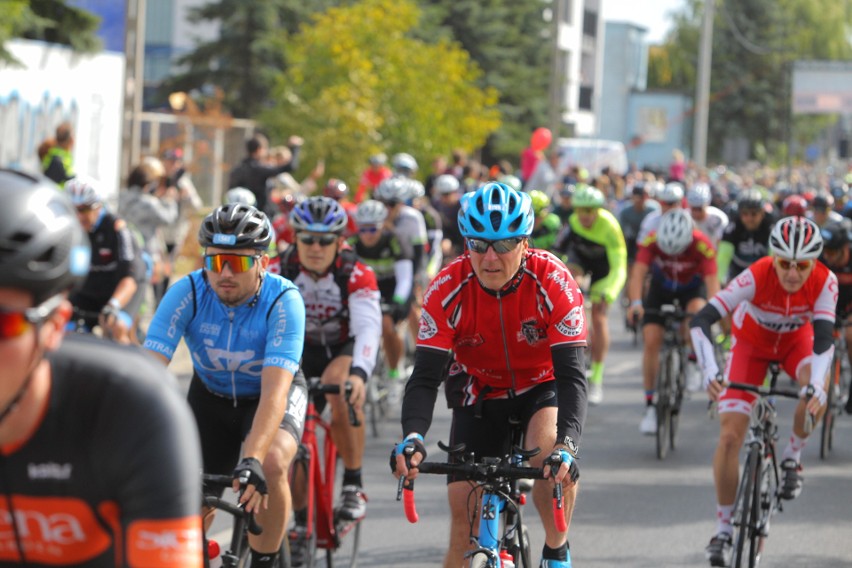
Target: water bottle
506,560
214,554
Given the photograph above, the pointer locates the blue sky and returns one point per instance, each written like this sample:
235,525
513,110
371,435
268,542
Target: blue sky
652,14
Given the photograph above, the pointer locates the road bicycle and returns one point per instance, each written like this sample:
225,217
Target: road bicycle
314,469
238,552
502,539
837,390
758,494
671,377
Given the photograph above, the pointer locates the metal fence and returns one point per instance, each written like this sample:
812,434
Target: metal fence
211,146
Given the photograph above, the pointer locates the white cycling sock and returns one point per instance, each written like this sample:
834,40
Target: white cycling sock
794,448
724,514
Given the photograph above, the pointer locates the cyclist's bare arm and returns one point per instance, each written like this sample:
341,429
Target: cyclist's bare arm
274,388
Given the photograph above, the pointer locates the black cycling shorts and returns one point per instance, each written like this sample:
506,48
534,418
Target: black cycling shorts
657,297
223,426
315,358
491,434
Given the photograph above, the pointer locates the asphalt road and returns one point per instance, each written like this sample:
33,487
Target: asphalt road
632,510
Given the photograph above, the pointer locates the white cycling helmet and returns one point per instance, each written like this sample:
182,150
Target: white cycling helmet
699,195
446,183
404,163
672,192
795,238
371,212
675,231
84,191
240,195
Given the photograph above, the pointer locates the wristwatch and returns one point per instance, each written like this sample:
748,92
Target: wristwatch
572,446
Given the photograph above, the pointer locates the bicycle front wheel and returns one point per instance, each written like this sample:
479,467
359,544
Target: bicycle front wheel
479,560
664,390
677,372
746,512
349,540
831,403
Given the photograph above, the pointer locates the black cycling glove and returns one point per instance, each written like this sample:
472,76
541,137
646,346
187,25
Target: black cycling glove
250,472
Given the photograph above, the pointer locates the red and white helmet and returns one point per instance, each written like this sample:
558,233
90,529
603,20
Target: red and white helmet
795,238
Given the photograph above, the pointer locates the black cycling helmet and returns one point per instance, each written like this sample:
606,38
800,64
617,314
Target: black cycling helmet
235,226
835,235
43,248
750,199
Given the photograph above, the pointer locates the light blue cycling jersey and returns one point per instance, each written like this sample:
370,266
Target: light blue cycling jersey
230,346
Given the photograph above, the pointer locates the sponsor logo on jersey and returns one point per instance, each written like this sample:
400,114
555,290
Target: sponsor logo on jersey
436,283
559,278
172,332
428,329
51,530
470,341
531,333
50,470
170,542
572,324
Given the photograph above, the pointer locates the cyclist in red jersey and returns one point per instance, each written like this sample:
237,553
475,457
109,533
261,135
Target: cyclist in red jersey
529,365
682,264
773,303
99,453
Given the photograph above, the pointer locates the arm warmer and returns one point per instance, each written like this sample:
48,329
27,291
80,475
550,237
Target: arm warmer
569,369
421,391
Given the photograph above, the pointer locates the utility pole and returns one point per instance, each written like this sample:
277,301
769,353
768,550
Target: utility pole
134,54
702,89
557,73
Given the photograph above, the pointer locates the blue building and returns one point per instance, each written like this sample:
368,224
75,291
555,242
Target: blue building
650,124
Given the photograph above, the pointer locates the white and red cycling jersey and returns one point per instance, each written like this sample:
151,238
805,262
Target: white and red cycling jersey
503,340
339,305
763,312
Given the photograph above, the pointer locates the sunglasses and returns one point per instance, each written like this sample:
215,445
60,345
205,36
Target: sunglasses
236,262
801,265
585,210
16,323
500,247
87,208
323,240
368,230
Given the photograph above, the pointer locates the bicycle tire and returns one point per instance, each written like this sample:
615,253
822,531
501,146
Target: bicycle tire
349,542
308,543
745,510
525,555
678,370
831,402
663,404
479,560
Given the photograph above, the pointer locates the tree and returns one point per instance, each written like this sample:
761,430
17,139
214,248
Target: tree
247,56
356,85
53,21
509,41
754,45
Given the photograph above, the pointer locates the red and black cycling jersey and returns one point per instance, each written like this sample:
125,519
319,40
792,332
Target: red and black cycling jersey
110,474
679,272
506,342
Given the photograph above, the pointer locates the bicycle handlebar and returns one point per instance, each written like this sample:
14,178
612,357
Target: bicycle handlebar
761,390
212,501
488,472
315,387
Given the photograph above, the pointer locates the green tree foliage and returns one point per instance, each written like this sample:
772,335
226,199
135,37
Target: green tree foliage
754,45
509,41
356,85
53,21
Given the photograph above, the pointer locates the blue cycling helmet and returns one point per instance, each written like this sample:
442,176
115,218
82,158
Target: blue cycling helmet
496,211
319,215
